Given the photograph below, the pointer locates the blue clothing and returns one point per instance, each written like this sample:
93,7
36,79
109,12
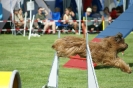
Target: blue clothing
95,15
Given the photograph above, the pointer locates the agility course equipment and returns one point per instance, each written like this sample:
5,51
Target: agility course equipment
122,24
10,79
77,62
92,79
32,21
53,77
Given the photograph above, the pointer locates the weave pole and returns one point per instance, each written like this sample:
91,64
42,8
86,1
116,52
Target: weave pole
53,77
25,23
92,79
31,27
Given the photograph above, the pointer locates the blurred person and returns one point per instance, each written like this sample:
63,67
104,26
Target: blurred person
95,13
57,9
21,19
97,16
115,12
19,23
90,24
106,14
73,15
68,16
41,15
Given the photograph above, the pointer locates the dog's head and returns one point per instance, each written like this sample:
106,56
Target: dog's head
117,42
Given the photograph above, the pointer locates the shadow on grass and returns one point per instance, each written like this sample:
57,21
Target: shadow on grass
108,67
102,67
130,64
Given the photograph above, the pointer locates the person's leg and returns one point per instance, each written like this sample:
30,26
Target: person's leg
53,27
83,29
47,24
27,25
20,25
100,27
91,28
36,25
75,24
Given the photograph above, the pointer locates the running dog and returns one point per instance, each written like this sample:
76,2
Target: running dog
104,52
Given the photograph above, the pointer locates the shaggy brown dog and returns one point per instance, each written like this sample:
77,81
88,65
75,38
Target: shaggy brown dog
104,52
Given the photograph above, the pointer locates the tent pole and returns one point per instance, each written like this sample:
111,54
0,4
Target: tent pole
30,14
124,5
12,18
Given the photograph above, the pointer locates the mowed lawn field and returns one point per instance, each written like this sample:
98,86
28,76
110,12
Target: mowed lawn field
33,59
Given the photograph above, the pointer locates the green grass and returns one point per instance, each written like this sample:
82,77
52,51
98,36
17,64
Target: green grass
33,59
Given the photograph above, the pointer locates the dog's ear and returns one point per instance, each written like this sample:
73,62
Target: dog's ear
120,34
118,37
107,36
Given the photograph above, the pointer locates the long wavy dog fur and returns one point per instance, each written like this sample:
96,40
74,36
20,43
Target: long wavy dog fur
104,52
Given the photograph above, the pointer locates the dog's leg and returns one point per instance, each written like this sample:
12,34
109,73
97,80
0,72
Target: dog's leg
122,65
119,63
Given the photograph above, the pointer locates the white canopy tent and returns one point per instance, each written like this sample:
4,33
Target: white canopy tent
110,4
7,7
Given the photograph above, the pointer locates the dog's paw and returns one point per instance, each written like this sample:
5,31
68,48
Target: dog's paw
127,70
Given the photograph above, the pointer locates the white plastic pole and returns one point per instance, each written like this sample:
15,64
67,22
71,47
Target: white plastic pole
25,21
30,20
31,27
86,23
58,33
124,5
92,79
11,6
53,77
79,12
30,13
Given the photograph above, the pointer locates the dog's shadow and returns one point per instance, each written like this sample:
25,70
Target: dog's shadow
108,67
103,67
130,64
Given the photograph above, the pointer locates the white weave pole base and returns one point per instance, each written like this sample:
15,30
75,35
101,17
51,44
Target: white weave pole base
53,77
92,79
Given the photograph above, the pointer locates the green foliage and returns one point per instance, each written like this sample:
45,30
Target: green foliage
33,59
